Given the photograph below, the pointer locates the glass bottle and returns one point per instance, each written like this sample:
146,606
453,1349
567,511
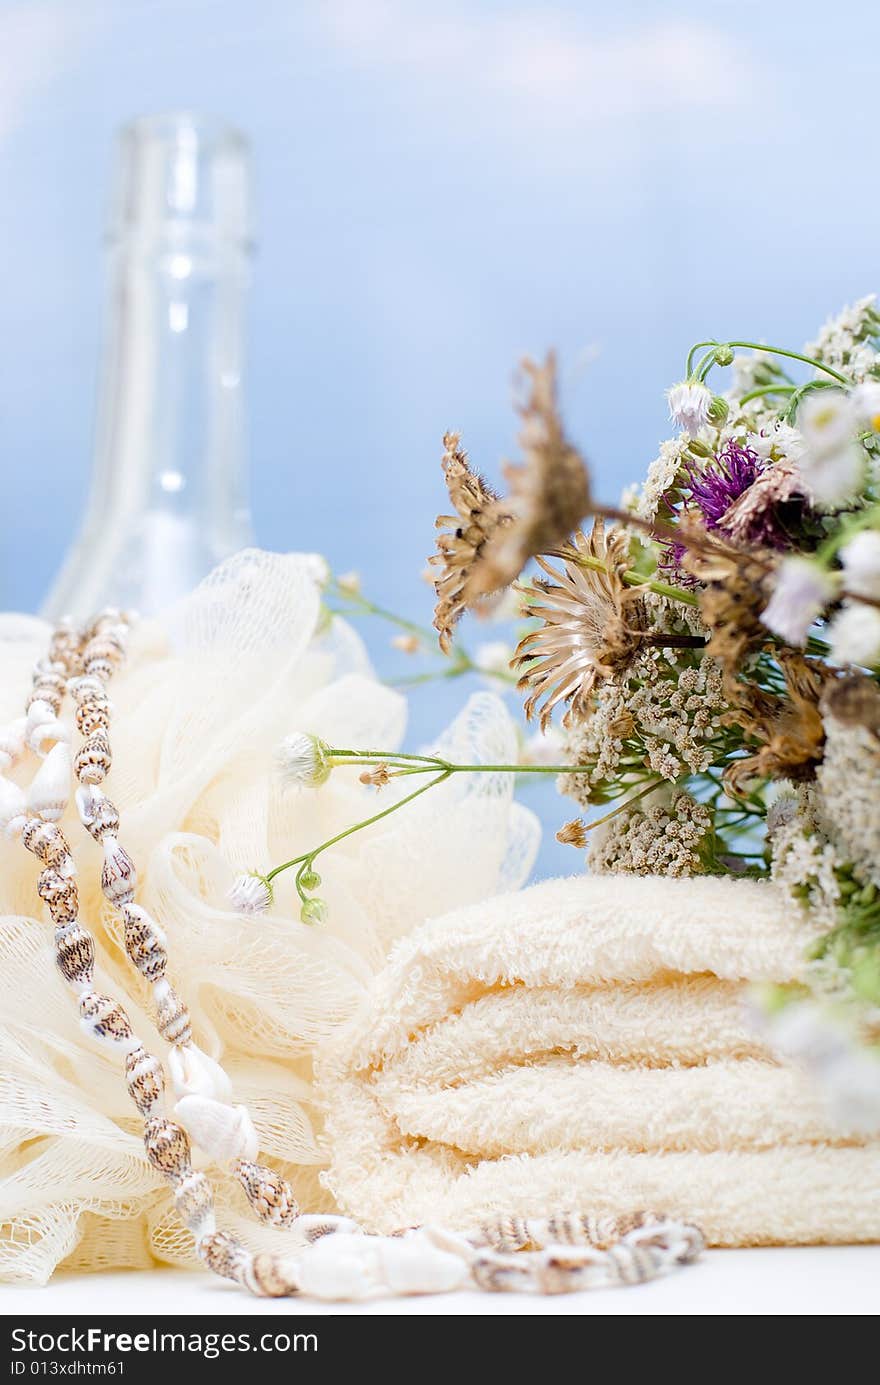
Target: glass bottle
168,496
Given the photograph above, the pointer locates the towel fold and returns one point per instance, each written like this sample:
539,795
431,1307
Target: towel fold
586,1045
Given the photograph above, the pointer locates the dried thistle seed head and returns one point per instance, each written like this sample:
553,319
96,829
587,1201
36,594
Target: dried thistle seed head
549,490
462,538
378,776
592,625
574,833
788,729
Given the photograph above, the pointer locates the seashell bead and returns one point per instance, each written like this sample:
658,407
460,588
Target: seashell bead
172,1017
75,954
64,646
100,668
268,1276
48,843
270,1195
118,876
93,715
167,1146
93,759
193,1073
85,687
224,1255
12,742
104,1018
224,1132
42,725
195,1204
13,805
97,814
50,787
145,1079
60,893
49,689
107,618
144,943
103,648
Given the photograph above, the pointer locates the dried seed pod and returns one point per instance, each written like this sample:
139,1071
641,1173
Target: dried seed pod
144,943
270,1195
172,1017
195,1204
93,715
98,814
167,1146
50,787
118,876
75,954
104,1018
224,1255
60,893
93,759
145,1079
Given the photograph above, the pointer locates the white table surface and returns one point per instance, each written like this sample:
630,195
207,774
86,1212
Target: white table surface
823,1280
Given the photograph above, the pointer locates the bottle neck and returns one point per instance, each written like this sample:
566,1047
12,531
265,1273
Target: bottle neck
168,496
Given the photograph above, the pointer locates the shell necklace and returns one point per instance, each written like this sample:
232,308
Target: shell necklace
332,1258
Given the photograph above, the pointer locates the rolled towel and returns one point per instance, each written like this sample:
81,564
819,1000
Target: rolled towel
586,1044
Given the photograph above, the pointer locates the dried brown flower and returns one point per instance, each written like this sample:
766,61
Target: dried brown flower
854,701
759,514
788,729
734,592
478,516
549,490
574,833
592,624
378,776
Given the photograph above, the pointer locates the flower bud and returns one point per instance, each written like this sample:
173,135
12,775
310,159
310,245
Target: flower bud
313,911
723,354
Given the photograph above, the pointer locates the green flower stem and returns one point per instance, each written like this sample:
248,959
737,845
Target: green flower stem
774,351
634,579
698,346
305,860
621,807
767,389
461,661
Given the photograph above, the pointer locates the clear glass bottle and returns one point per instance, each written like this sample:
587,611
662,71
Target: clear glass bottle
168,496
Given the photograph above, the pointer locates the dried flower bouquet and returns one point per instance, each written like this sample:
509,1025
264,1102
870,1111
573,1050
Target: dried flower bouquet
710,648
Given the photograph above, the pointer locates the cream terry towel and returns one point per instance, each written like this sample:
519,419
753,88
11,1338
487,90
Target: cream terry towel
585,1045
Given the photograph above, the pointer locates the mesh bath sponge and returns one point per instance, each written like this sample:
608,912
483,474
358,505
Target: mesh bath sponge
204,699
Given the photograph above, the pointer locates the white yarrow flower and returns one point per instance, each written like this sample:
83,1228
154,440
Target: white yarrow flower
861,563
832,461
251,894
303,760
801,593
689,405
543,748
493,657
854,635
866,403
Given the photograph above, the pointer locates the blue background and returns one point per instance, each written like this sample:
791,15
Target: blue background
441,188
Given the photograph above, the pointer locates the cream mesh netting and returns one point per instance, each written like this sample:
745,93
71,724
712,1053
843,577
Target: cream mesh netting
200,706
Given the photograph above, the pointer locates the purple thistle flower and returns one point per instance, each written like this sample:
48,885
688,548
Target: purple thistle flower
712,492
724,480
